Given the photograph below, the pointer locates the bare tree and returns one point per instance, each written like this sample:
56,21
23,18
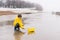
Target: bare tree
21,4
1,4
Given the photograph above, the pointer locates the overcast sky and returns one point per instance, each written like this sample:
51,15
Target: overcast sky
48,5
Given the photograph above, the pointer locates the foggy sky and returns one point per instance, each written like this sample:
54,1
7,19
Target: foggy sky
48,5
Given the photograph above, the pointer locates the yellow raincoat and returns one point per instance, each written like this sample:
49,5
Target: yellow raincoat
18,20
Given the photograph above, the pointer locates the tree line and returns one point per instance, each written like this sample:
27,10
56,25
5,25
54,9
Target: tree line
19,4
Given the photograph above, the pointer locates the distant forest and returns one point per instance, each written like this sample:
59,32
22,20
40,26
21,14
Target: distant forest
19,4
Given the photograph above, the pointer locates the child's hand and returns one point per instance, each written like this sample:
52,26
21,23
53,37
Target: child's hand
23,27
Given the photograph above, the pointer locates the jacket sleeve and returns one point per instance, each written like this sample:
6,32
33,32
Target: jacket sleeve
21,24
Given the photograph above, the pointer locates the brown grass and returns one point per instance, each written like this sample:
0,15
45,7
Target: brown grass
6,13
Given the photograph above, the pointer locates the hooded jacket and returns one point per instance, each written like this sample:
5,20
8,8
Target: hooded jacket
19,21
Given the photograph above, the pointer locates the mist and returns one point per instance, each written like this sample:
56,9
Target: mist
48,5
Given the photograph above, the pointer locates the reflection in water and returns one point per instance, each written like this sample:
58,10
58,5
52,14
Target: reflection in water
6,23
18,35
29,33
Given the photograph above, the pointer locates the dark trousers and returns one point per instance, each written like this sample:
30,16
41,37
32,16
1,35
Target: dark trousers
17,27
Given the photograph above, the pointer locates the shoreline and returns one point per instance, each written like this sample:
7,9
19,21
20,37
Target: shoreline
7,13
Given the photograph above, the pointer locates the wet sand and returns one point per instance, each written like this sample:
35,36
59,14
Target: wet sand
47,27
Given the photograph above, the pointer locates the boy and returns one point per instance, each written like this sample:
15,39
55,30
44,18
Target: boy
18,23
